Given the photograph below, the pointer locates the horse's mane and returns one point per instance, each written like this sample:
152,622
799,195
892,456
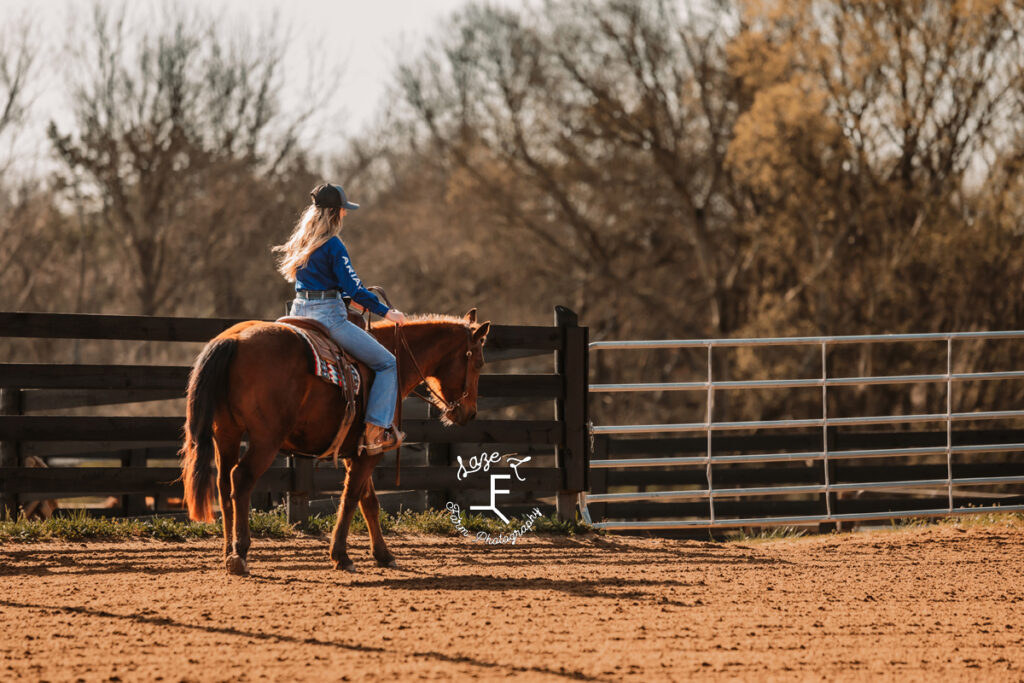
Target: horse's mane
426,319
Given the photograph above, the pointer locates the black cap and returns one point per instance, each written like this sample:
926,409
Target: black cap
331,197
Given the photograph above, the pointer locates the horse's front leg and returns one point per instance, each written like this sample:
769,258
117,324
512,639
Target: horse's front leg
358,471
370,507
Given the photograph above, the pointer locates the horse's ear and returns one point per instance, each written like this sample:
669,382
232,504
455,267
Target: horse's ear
480,333
471,316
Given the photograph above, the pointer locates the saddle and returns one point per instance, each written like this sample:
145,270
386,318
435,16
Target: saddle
334,365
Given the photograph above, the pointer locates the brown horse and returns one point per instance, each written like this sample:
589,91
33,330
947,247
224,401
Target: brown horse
253,379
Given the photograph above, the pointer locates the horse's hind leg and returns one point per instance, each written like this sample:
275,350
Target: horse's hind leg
359,470
228,442
257,460
370,507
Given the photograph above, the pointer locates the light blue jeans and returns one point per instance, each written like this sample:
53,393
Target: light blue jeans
384,390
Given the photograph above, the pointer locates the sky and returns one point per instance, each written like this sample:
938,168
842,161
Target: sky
367,38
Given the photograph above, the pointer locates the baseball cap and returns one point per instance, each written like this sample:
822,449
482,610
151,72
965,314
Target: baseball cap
331,197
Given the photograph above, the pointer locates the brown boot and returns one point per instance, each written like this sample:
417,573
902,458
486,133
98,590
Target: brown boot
378,439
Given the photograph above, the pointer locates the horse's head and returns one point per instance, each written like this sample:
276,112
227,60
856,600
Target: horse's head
458,371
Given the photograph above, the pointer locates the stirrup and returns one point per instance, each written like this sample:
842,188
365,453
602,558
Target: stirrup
392,439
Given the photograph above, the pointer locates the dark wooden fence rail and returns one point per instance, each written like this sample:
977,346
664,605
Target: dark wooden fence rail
28,388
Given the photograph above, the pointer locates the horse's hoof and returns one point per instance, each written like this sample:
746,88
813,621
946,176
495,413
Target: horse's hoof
236,565
392,565
388,564
350,567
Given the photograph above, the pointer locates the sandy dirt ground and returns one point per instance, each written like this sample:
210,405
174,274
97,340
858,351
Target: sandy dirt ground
936,603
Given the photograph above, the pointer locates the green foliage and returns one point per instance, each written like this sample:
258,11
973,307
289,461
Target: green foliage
984,519
270,523
550,524
321,525
981,520
438,522
774,533
80,526
426,522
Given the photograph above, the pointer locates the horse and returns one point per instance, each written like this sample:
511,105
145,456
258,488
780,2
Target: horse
254,378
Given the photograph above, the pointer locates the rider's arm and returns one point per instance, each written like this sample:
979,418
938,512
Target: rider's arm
349,282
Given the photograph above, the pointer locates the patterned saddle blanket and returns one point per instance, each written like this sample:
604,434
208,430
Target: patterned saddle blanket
330,362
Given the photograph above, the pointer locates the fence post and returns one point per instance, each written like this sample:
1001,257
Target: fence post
599,477
830,444
573,452
10,451
134,504
301,470
438,455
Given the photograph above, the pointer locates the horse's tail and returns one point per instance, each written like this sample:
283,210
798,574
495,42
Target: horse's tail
207,389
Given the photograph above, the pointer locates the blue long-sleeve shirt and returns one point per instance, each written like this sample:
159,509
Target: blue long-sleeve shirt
329,267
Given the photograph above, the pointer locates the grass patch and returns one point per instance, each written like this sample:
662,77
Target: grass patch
774,533
1009,520
270,523
438,523
76,525
79,526
982,519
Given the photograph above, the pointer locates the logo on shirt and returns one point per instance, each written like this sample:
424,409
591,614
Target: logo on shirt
352,271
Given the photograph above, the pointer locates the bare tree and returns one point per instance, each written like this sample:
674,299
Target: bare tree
22,208
18,57
176,123
597,132
780,169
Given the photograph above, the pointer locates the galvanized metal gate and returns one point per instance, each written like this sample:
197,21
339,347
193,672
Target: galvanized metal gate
826,456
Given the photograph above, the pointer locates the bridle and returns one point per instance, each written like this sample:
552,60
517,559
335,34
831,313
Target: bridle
435,398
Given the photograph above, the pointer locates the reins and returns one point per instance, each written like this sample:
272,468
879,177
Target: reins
438,401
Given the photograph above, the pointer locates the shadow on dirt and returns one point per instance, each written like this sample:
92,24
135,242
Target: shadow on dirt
167,622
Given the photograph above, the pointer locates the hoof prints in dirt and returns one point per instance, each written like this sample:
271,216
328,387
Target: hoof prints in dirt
647,609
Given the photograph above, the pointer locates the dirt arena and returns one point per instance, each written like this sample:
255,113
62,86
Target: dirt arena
934,603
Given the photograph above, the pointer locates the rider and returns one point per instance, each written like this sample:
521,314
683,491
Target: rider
315,258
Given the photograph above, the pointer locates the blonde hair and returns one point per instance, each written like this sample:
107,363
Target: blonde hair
316,226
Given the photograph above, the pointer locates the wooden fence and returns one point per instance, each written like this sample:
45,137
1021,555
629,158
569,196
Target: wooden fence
146,446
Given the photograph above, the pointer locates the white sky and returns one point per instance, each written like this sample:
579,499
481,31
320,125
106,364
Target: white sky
368,37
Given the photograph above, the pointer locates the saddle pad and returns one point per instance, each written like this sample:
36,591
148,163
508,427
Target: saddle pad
329,362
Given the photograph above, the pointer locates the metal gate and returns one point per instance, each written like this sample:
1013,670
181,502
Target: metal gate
825,455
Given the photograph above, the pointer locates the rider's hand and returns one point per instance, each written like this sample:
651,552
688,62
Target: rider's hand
395,316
